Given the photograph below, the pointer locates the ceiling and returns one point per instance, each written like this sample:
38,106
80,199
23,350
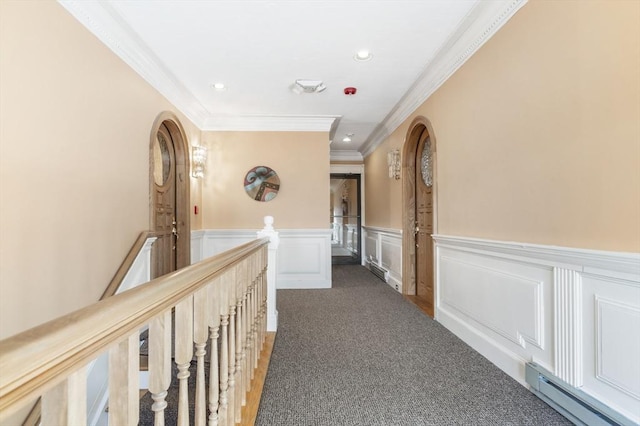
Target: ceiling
258,49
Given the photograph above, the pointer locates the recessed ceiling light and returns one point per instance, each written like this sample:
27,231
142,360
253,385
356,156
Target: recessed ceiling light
347,138
219,86
363,55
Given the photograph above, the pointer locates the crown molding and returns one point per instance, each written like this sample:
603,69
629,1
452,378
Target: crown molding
350,155
270,123
101,19
109,27
486,18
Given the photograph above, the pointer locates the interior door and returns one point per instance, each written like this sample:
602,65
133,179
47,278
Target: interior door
164,204
424,223
345,219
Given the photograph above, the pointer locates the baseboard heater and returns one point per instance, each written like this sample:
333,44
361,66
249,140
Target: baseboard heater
379,272
572,403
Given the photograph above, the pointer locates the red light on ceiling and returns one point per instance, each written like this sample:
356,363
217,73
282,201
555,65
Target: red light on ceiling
350,91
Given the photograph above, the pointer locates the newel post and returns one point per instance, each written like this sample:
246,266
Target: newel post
268,231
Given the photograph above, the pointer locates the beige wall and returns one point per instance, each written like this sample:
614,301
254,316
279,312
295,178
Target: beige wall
301,160
75,127
538,134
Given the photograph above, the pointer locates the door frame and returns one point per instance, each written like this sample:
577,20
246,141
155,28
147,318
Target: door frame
355,169
183,200
409,152
358,178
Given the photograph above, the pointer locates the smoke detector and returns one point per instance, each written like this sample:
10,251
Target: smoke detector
308,86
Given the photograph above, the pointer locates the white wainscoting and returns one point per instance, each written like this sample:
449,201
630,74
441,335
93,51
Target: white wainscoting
383,247
575,312
304,255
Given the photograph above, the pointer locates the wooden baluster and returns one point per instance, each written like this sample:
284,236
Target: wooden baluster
201,308
263,294
66,403
255,345
232,363
248,357
265,290
254,316
183,355
223,411
213,293
241,278
226,410
251,324
124,378
258,307
159,363
242,338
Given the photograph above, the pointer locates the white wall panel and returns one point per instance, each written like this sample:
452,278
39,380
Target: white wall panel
303,258
611,365
508,304
575,312
383,247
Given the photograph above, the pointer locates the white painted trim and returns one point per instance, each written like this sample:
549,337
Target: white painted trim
270,123
351,155
566,314
486,18
624,265
389,231
107,25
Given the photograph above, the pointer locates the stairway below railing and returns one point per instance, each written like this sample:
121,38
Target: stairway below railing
221,301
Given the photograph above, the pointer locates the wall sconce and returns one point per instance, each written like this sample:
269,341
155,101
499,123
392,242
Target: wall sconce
198,160
393,161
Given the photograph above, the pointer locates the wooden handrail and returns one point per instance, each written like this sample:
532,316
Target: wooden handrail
55,349
126,264
33,418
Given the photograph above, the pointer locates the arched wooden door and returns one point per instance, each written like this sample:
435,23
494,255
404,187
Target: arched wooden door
169,199
424,223
418,212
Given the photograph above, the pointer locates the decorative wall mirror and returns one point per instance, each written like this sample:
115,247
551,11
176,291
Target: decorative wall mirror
262,183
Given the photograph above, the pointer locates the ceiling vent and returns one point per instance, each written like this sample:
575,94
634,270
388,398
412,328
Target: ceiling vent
308,86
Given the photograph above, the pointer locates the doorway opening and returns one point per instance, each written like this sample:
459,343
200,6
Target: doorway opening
345,219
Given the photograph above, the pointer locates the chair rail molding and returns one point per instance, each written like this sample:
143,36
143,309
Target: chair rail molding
575,312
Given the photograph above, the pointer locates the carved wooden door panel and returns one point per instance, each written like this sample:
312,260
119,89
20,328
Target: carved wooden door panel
164,204
424,222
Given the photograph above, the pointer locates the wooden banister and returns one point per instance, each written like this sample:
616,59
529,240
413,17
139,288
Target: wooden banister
40,359
126,264
33,418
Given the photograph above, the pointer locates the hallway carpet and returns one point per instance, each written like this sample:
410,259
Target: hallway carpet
360,354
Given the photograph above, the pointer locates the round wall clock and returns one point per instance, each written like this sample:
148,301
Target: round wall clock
262,183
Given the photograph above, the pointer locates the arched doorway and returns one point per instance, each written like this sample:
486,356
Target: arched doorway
418,212
169,195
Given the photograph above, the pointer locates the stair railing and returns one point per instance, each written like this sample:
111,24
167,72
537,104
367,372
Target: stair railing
221,300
